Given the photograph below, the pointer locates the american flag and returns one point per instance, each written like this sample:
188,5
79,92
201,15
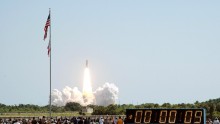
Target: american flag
46,26
48,49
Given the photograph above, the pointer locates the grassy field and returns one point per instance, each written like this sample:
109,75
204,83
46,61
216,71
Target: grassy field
54,115
64,114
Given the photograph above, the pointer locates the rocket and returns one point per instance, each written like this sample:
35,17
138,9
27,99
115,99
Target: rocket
87,63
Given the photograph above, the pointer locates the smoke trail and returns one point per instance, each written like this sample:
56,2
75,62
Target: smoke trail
105,95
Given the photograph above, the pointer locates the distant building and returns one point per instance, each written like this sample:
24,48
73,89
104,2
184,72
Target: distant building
87,110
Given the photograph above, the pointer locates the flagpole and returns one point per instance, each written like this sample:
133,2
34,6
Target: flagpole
50,63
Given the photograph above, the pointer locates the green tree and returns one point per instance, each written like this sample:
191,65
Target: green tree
99,110
111,109
73,106
166,105
212,109
218,107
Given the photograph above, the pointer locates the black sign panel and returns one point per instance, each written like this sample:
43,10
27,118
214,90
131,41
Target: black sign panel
168,116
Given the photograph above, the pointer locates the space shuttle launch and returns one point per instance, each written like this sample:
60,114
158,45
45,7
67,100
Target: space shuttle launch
104,95
87,63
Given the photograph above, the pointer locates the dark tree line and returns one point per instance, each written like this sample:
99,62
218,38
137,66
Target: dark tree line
212,107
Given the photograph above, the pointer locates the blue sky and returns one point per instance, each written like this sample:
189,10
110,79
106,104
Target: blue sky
154,51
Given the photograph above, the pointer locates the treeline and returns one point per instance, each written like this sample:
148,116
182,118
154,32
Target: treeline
212,107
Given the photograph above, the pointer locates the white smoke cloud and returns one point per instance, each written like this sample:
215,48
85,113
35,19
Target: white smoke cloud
105,95
67,95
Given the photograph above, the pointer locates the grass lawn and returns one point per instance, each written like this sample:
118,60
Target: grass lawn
64,114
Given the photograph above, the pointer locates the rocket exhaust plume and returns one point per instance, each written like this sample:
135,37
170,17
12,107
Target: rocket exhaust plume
88,96
104,95
87,87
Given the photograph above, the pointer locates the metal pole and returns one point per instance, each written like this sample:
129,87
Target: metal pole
50,63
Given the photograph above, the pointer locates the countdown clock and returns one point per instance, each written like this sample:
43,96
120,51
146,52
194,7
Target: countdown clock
168,116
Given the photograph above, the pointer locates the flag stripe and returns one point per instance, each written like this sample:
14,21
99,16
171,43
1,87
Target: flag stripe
48,49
